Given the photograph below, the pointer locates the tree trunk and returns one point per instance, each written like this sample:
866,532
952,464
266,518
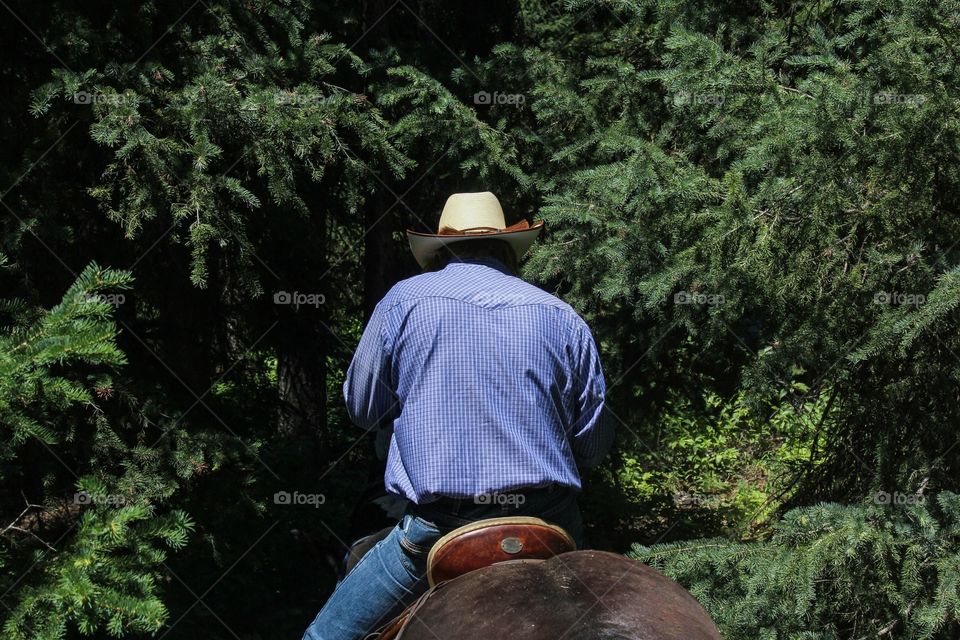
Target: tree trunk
302,375
302,337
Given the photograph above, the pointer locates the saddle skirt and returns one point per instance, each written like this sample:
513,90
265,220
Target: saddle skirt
485,542
481,544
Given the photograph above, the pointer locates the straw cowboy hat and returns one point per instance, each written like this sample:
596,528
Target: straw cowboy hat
472,216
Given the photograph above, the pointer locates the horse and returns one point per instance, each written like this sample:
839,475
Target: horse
521,578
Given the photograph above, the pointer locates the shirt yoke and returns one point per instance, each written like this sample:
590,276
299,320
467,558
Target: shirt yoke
480,286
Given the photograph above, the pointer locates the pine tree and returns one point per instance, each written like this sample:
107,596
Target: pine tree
752,205
93,562
832,571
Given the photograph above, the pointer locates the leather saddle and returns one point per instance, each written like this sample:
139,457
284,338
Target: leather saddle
481,544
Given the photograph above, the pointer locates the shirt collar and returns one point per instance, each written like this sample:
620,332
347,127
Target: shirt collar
493,263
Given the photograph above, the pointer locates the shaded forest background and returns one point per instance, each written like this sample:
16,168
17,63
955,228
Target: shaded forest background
753,204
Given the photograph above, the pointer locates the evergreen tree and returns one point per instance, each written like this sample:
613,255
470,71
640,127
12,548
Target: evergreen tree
831,571
91,562
752,205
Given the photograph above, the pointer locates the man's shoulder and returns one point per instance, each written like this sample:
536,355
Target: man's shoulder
495,291
422,285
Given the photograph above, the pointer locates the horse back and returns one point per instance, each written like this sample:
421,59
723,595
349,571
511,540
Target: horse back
581,595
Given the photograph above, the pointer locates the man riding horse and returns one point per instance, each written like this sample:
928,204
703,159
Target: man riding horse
495,394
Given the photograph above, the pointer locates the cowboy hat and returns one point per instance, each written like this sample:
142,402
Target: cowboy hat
472,216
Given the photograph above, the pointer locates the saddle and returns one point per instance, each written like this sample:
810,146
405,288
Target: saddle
481,544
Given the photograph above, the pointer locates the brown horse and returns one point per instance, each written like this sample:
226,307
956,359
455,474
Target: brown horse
580,595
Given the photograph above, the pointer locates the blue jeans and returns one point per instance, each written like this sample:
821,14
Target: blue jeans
393,573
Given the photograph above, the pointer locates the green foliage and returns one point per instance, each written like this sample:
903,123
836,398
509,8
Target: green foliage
753,205
831,571
106,579
722,462
34,396
186,137
772,187
100,573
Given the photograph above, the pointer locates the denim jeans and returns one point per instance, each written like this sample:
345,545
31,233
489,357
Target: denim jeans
393,573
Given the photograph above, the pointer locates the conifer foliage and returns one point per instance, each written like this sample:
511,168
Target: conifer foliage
753,204
102,549
831,571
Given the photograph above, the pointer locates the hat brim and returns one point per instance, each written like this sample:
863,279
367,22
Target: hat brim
425,245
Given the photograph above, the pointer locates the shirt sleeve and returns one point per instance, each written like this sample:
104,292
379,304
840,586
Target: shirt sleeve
371,400
593,430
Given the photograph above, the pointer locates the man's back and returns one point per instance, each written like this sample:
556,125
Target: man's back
491,383
491,386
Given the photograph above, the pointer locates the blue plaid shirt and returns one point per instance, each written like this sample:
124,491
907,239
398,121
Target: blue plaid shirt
490,383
